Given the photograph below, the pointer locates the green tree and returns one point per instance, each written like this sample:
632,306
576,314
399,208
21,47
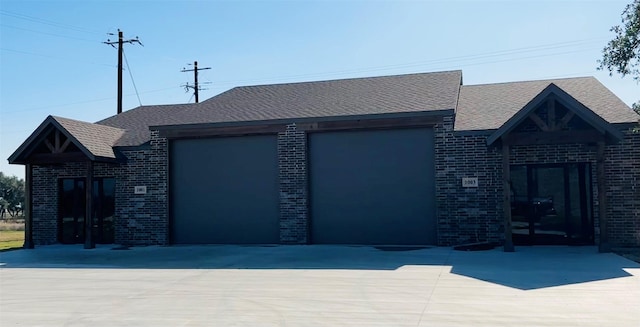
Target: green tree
622,54
11,192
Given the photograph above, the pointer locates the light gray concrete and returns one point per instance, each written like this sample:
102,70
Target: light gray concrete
316,286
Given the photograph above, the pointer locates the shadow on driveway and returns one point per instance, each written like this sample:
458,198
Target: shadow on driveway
526,269
544,266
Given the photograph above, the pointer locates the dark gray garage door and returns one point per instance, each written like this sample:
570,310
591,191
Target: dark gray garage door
224,190
372,187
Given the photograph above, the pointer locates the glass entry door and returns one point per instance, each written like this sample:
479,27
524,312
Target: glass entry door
551,204
72,210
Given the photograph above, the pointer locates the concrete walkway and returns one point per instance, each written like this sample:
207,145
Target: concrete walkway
316,286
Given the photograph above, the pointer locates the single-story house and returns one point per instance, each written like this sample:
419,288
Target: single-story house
417,159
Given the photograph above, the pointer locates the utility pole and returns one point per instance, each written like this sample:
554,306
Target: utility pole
120,43
196,86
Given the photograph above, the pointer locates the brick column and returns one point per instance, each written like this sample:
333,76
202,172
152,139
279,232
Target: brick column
292,162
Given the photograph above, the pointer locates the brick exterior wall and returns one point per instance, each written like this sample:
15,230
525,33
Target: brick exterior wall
139,219
142,219
292,160
475,214
622,166
463,214
467,214
45,194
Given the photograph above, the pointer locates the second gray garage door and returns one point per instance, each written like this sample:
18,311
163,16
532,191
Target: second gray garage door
372,187
225,190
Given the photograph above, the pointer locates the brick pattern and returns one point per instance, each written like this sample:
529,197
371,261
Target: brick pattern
139,219
467,214
622,168
142,219
475,214
463,214
44,199
292,159
560,154
45,195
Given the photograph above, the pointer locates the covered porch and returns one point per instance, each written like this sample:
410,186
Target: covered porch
80,203
553,172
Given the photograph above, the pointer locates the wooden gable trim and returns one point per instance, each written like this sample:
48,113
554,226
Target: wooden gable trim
554,137
57,147
554,93
565,120
24,154
539,122
551,113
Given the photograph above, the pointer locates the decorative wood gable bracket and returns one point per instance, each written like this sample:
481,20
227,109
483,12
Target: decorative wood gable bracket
51,143
57,147
553,127
552,124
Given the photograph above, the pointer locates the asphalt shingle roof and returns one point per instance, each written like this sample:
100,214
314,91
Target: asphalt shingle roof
478,107
97,139
357,96
335,98
489,106
136,121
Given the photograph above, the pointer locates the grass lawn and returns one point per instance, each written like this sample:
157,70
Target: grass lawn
10,239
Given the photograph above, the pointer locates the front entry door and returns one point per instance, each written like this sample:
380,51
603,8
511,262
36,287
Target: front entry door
72,210
551,204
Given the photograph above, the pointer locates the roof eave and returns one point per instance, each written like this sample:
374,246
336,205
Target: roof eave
442,112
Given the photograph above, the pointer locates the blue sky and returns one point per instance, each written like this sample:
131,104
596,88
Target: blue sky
53,61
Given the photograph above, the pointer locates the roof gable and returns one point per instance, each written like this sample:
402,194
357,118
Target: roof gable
93,141
489,106
554,92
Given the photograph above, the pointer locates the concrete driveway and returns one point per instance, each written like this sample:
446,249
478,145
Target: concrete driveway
317,286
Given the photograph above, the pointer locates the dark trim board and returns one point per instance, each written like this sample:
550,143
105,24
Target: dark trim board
389,121
556,137
221,131
394,123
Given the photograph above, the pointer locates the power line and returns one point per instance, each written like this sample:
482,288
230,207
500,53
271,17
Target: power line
54,57
377,68
121,41
47,33
131,75
47,22
461,59
513,59
83,102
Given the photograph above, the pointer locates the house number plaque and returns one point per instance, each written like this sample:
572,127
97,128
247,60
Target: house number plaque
470,182
140,190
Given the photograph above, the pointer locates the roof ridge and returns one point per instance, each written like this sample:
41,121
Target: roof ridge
59,118
101,121
550,80
348,79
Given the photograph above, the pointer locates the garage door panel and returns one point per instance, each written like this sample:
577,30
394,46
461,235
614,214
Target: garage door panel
372,187
225,190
